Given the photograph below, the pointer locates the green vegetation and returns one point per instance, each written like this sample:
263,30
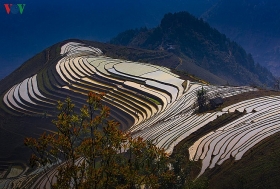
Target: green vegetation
154,101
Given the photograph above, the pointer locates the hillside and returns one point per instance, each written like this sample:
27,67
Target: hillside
148,100
196,43
253,24
27,125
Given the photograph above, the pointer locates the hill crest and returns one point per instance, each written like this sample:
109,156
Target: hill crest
195,42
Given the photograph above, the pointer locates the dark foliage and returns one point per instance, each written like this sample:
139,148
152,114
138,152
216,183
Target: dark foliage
187,36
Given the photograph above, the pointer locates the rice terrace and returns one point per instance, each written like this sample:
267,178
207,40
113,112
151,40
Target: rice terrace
149,100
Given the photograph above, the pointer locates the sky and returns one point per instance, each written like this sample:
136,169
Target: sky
44,23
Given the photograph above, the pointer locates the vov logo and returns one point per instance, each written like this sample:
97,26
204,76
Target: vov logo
14,8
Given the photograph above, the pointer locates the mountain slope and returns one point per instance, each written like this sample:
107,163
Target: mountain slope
194,41
148,100
252,23
22,125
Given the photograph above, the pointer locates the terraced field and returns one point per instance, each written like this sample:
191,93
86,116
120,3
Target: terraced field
178,121
236,138
148,100
130,96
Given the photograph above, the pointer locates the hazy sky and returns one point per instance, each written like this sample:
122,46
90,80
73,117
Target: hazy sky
43,23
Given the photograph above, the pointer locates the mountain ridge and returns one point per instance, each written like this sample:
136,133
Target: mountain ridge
253,24
195,41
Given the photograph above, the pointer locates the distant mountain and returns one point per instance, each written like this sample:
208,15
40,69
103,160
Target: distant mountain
255,24
195,42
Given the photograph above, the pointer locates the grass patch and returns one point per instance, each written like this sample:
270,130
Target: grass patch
186,76
154,101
